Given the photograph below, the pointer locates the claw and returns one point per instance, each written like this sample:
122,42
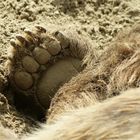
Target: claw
28,32
14,44
40,29
62,38
22,40
31,36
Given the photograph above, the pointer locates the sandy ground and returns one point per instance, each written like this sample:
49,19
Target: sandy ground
99,20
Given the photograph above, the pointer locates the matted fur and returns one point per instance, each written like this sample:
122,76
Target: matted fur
116,69
127,73
116,118
7,134
75,110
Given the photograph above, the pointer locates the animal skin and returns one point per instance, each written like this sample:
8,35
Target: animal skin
81,109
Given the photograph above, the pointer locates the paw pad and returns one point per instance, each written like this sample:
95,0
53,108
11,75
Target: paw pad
41,62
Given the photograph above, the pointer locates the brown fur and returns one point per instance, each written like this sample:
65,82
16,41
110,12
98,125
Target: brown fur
127,73
116,118
75,110
116,69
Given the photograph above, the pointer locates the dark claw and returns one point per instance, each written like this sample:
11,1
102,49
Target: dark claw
34,38
12,42
40,29
22,39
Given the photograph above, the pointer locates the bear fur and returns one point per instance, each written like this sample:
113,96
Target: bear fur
89,106
115,118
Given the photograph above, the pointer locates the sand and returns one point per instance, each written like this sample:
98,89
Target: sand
99,20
